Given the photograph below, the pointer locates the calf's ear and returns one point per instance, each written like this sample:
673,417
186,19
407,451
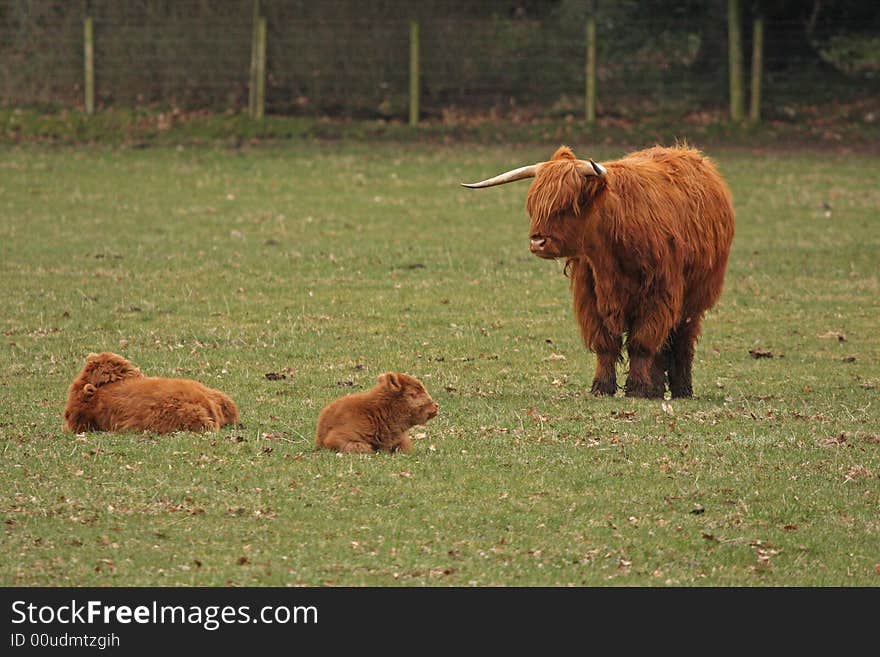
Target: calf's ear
88,390
390,380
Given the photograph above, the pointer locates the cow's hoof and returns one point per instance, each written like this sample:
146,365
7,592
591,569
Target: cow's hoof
643,390
602,388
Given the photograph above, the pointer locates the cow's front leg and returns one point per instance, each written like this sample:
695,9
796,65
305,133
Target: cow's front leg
647,348
607,356
639,381
594,331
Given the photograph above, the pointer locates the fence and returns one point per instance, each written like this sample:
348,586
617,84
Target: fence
278,61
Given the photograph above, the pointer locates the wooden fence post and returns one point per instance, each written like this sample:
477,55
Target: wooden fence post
260,108
590,91
757,68
89,63
252,75
414,73
735,59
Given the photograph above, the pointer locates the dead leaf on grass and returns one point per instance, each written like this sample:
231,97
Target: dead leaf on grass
764,558
760,353
107,562
857,472
836,441
536,416
833,335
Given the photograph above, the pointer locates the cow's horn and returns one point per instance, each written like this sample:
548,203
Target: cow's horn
590,168
506,177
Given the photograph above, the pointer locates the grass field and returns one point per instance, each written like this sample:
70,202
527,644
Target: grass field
327,264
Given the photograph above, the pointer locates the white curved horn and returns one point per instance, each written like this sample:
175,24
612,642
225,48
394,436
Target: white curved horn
506,177
590,168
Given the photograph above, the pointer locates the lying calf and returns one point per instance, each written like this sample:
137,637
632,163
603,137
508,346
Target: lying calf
377,419
111,394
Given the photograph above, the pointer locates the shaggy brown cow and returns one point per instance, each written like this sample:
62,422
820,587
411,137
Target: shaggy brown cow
646,240
377,419
111,394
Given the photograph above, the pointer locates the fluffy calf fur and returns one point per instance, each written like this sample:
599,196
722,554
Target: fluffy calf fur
377,419
111,394
646,243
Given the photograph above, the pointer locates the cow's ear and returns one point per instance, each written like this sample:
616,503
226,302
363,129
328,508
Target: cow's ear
390,380
88,390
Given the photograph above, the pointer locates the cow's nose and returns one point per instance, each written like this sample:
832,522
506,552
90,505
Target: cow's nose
538,242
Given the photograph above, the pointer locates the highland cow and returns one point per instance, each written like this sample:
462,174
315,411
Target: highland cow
111,394
377,419
646,240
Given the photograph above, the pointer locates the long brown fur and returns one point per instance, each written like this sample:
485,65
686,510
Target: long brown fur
646,247
111,394
377,419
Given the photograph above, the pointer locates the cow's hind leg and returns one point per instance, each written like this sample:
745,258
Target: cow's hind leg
228,411
343,442
195,416
659,369
682,358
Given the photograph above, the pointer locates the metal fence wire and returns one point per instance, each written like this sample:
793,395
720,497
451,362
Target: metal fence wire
197,55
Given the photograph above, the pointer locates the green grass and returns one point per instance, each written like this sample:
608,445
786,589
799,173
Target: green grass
331,263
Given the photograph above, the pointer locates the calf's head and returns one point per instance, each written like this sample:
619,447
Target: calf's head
99,370
102,369
410,397
557,201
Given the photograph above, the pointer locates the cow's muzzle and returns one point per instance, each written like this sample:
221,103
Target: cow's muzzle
540,246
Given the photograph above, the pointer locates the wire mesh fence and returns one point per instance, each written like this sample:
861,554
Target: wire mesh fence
197,55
